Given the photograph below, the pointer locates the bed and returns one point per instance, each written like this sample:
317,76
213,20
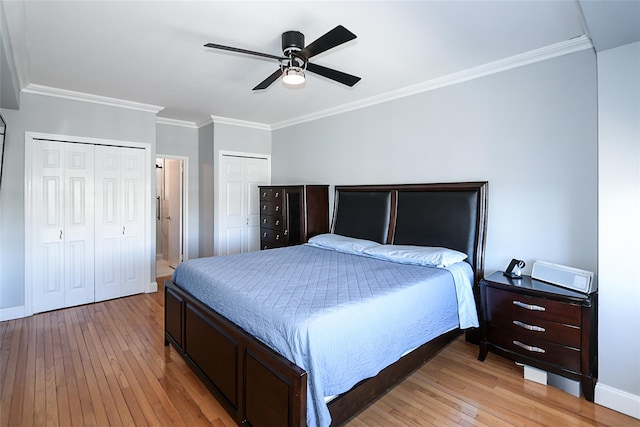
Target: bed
262,379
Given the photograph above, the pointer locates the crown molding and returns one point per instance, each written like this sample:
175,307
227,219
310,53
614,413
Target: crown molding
542,54
87,97
176,122
204,123
237,122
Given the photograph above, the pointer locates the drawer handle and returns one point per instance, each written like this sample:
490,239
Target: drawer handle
264,221
277,208
277,222
277,194
277,237
264,207
264,194
286,232
264,234
529,327
529,306
530,348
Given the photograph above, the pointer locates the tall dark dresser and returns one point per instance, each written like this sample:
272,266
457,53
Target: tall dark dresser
291,214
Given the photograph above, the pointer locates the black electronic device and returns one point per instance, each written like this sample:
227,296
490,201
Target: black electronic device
513,269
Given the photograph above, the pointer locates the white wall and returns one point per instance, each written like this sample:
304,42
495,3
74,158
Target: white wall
205,168
64,117
531,132
619,229
183,141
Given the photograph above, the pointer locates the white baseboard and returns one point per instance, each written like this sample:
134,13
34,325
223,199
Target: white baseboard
11,313
153,287
618,400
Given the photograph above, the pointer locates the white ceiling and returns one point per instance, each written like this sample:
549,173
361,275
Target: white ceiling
152,52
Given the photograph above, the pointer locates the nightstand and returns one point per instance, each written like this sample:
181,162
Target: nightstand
541,325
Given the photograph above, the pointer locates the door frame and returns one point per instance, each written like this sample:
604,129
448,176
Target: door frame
30,138
218,203
184,196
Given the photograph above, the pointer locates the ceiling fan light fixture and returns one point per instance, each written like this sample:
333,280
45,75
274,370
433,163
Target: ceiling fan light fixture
293,76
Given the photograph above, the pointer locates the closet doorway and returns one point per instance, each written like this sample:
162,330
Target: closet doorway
87,220
170,213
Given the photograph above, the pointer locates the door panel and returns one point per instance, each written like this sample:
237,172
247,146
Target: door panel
62,228
133,221
174,182
79,278
119,222
240,219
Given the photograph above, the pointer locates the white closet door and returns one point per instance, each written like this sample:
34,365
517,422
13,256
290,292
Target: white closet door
62,228
240,219
119,222
79,224
257,173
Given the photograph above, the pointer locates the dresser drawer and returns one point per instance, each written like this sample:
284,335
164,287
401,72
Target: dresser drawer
528,308
273,222
544,351
274,236
271,208
532,327
266,244
271,194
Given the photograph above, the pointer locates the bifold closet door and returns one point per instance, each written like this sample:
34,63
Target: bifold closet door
120,208
240,178
63,225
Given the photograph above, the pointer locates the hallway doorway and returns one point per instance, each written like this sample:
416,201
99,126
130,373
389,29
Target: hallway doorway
170,213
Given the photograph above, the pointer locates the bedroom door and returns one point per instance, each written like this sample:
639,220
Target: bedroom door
174,215
63,225
240,203
120,223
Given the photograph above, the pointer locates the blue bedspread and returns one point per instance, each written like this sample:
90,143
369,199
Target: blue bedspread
340,317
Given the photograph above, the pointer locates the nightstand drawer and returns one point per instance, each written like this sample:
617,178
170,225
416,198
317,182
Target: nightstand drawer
273,222
532,327
555,354
520,306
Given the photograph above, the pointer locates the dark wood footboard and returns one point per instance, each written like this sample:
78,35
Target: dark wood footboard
254,384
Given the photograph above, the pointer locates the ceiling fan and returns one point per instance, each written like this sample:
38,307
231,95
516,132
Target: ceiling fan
295,59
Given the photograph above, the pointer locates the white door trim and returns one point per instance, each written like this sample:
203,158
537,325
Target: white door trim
218,204
185,200
30,138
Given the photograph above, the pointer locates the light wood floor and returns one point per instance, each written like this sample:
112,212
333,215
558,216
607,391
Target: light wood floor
106,364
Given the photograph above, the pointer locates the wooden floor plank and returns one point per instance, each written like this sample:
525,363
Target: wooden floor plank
106,364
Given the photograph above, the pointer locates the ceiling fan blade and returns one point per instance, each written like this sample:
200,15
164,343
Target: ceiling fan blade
245,51
269,80
339,76
333,38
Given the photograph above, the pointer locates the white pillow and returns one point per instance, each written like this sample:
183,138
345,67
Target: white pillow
420,255
340,243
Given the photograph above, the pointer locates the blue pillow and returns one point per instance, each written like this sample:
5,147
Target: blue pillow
340,243
419,255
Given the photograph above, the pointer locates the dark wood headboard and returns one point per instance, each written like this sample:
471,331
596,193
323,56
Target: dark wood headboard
451,215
